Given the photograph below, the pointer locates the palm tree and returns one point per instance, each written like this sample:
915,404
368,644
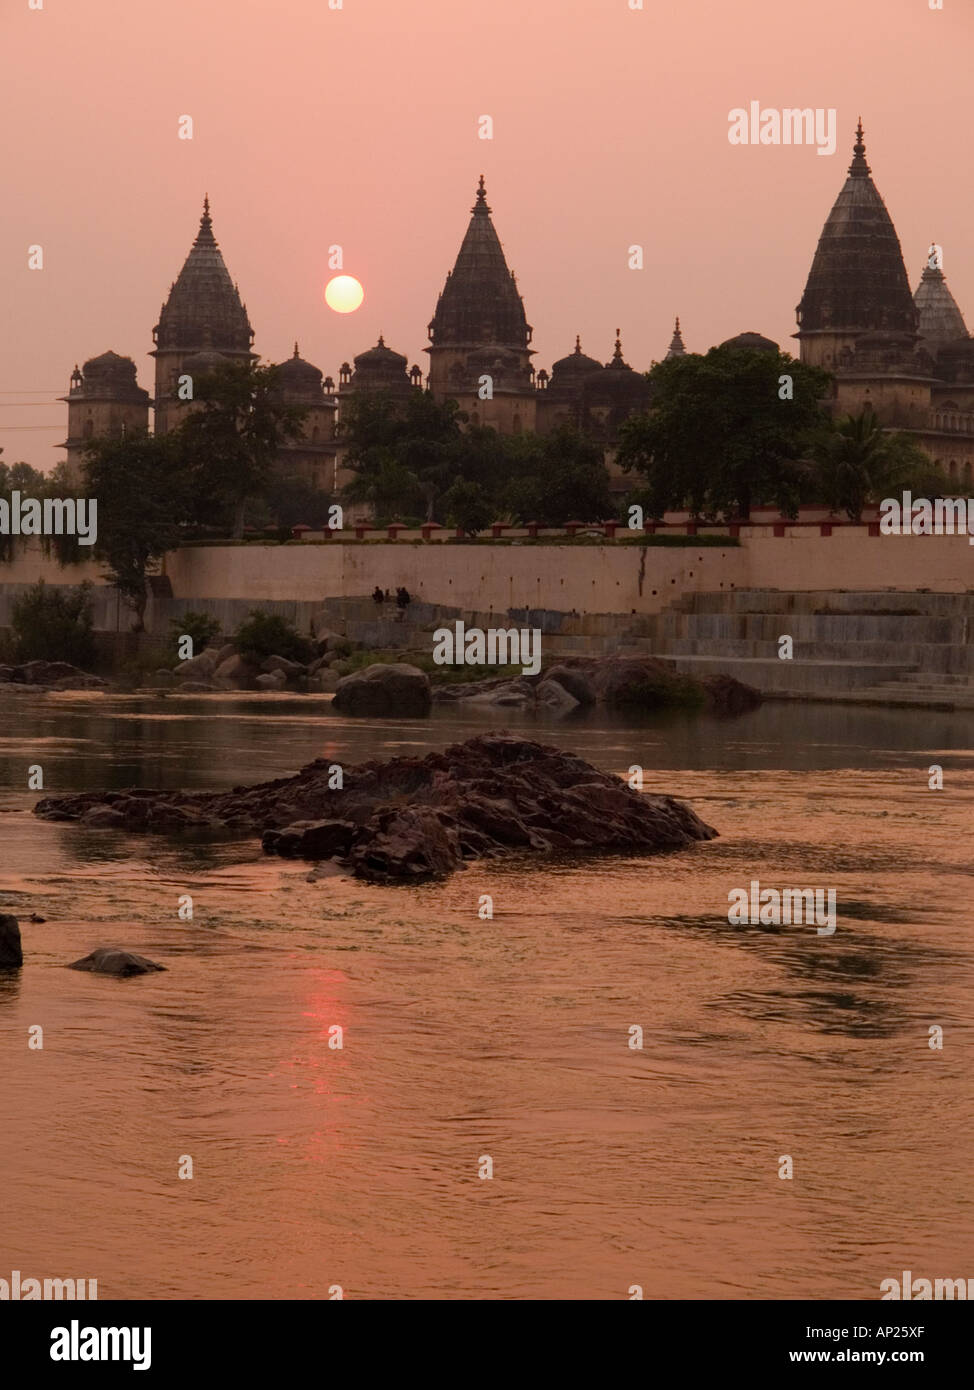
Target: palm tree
858,462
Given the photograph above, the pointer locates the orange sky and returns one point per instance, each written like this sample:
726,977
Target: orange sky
359,126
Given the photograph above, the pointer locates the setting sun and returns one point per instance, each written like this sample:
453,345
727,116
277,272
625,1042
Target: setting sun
344,294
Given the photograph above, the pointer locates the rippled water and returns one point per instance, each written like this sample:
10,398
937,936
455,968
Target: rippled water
508,1038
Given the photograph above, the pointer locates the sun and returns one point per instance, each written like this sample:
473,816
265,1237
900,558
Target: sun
344,294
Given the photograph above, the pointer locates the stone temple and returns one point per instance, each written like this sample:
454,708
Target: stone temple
907,355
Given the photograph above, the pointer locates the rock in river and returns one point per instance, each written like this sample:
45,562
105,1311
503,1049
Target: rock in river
11,951
113,960
412,818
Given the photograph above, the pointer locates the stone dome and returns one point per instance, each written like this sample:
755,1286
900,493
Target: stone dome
751,342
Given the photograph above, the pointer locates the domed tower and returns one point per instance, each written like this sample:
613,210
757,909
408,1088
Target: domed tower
940,320
479,325
312,456
857,318
203,313
858,282
104,400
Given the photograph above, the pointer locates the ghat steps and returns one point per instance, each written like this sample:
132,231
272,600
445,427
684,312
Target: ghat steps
877,647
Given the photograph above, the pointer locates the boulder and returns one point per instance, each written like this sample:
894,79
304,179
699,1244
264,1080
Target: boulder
224,653
197,668
163,677
311,839
6,674
11,951
555,696
290,669
396,690
234,673
324,681
408,844
113,960
575,682
271,680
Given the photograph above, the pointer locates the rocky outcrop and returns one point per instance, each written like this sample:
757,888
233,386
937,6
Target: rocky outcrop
414,818
54,675
11,950
113,960
396,690
634,683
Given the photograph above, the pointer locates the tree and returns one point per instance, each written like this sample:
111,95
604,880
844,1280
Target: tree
556,478
142,487
719,437
231,440
860,462
467,505
404,451
52,625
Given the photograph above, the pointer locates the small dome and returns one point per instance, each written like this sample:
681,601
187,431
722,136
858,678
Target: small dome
107,362
296,373
576,364
381,356
751,342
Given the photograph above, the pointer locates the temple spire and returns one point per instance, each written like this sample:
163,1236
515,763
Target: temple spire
677,348
859,168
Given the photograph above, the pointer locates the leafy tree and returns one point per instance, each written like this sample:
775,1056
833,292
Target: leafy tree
719,438
556,478
467,505
231,440
268,634
54,625
860,462
404,452
143,493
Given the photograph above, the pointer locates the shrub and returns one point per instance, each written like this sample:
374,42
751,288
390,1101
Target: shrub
54,625
202,627
268,634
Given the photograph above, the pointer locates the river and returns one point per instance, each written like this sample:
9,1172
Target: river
316,1167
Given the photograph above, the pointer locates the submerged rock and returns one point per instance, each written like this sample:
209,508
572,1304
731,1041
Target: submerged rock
395,690
11,950
113,960
411,818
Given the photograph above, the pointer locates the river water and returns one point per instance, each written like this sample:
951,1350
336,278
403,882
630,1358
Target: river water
466,1040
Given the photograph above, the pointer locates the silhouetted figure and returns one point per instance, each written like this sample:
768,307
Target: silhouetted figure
378,597
402,597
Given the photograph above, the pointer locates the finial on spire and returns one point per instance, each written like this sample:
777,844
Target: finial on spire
382,341
677,325
859,166
578,344
481,204
296,347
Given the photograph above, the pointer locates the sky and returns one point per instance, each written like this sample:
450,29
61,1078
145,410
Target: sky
359,127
